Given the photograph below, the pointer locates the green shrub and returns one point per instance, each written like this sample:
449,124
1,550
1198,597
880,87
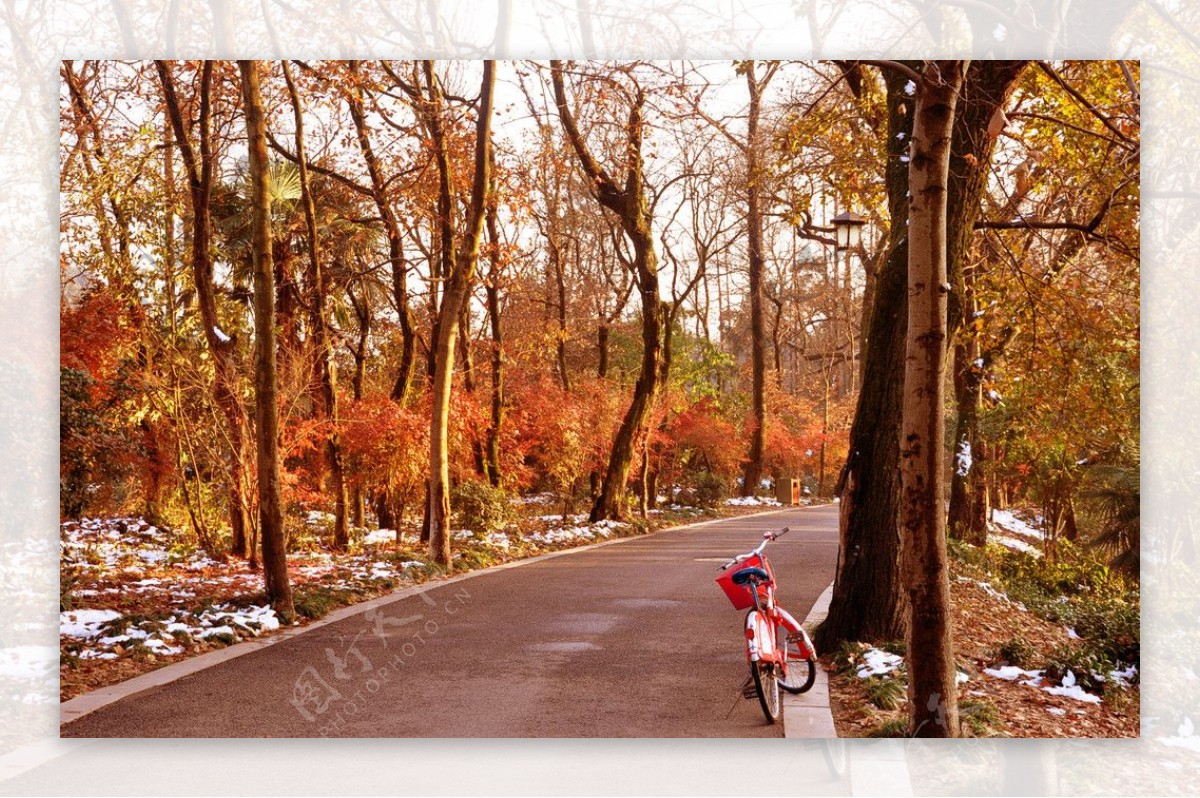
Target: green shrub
980,715
1088,662
846,656
964,552
885,693
709,490
480,507
1016,651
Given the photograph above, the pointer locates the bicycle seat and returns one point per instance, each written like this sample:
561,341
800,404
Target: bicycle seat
748,575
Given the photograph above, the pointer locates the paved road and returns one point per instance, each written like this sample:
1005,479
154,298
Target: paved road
632,639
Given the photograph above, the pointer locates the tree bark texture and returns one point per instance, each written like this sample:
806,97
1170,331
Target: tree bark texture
932,682
458,264
266,387
868,602
752,472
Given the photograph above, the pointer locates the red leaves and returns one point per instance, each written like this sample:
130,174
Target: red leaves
97,332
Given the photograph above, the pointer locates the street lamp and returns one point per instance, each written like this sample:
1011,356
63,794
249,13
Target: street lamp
847,228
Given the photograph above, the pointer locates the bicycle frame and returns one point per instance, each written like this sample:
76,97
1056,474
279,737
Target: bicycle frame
768,652
762,623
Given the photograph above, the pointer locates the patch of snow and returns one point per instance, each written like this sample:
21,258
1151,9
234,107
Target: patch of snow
1072,634
910,88
1011,673
1007,521
877,662
751,501
1124,677
378,536
84,624
221,336
1074,691
1016,545
904,159
962,458
218,630
1056,711
161,647
497,539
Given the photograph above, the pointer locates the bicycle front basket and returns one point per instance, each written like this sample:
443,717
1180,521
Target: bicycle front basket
740,595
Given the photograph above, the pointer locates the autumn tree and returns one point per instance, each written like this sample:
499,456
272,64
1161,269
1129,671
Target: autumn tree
868,600
199,166
932,673
270,499
319,290
459,249
626,199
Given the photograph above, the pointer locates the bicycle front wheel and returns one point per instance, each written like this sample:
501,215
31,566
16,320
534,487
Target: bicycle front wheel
766,682
799,672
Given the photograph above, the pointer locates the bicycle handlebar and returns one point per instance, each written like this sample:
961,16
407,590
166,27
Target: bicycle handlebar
767,538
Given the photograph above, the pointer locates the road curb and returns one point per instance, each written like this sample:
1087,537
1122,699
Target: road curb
876,767
75,708
808,715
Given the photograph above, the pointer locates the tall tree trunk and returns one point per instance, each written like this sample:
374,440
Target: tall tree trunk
270,498
628,201
493,309
932,673
459,271
320,329
752,474
868,602
478,453
222,346
602,345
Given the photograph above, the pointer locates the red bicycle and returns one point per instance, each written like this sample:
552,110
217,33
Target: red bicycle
779,651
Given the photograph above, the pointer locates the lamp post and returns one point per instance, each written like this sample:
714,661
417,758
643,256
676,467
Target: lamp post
847,230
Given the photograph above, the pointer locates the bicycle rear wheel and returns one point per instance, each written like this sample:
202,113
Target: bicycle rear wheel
766,682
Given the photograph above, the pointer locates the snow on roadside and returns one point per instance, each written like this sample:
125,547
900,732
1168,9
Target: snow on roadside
84,624
225,622
751,501
556,536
